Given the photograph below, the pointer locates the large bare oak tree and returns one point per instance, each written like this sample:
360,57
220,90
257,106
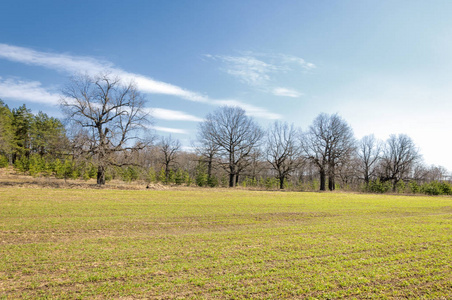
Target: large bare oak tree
283,150
104,114
328,143
234,134
399,157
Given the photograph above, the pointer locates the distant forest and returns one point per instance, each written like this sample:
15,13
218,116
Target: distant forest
106,136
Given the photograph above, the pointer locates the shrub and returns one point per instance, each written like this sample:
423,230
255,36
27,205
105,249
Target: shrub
212,181
3,161
446,188
36,165
271,183
179,177
187,178
400,187
58,168
431,188
92,171
249,182
151,176
414,187
129,173
376,186
162,175
171,176
201,179
436,188
22,164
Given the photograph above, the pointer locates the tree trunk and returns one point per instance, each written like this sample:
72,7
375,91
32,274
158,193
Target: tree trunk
394,185
331,177
237,179
331,183
166,172
322,180
209,169
100,175
281,182
231,180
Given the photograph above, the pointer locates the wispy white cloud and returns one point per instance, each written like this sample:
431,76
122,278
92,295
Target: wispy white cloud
83,64
172,115
280,91
250,110
258,69
34,92
55,61
247,68
289,59
170,130
91,66
28,91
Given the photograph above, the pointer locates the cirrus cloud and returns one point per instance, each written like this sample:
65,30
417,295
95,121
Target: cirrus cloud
169,130
83,64
172,115
259,69
27,90
280,91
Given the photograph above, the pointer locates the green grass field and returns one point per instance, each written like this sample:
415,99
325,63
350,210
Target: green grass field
204,243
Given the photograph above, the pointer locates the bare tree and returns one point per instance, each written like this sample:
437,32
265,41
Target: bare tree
169,148
399,157
104,115
328,142
235,134
348,172
283,150
256,165
207,149
369,153
437,173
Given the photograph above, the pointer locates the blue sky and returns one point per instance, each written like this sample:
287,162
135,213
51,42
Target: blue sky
384,66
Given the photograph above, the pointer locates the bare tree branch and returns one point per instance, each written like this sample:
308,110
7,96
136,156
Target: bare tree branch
105,115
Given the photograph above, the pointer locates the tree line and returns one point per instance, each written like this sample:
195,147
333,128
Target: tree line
105,136
326,153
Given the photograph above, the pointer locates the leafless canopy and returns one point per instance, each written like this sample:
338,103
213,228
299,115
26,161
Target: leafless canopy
207,149
369,153
169,147
283,150
105,115
328,142
235,134
400,156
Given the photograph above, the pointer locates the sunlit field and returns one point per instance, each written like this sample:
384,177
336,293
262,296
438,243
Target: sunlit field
206,243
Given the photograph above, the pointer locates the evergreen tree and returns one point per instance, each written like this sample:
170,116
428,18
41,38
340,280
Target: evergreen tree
179,177
22,120
6,133
162,175
201,174
47,135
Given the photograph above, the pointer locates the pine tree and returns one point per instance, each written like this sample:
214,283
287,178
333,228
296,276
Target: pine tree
6,133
